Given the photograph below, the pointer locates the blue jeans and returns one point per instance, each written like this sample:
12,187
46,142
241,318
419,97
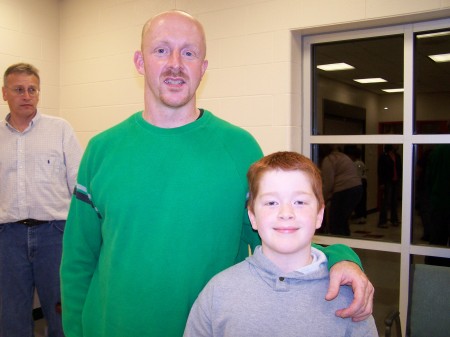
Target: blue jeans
30,258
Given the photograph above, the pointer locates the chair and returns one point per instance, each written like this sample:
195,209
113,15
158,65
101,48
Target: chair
430,304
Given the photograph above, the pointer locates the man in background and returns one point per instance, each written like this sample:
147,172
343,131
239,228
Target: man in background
39,158
389,181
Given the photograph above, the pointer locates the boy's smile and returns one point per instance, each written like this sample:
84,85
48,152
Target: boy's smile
286,215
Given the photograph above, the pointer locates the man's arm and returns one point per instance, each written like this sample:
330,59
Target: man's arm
81,248
72,156
346,269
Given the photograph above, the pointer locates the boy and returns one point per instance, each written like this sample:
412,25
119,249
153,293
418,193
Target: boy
280,290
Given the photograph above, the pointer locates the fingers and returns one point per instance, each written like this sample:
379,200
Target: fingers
362,305
368,308
333,288
347,273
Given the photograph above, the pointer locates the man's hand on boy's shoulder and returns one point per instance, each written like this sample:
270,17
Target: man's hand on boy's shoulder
349,273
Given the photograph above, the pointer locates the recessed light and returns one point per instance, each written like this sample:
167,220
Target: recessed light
393,90
423,36
335,66
370,80
440,57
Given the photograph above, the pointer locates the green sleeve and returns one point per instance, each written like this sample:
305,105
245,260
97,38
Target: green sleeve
81,249
337,253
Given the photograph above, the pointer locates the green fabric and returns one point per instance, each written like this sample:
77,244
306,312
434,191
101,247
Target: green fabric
337,253
156,193
157,212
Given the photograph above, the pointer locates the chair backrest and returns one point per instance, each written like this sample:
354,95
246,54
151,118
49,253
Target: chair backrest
430,302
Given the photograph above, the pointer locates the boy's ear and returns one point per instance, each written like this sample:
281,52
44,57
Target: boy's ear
320,217
251,216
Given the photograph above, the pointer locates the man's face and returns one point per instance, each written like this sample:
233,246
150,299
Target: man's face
25,105
172,60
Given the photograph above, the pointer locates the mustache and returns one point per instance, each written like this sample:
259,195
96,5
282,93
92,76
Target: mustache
175,72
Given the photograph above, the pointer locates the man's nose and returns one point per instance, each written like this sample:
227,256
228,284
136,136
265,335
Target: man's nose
175,60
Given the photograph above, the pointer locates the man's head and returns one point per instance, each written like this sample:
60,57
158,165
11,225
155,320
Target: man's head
21,89
172,59
285,206
21,68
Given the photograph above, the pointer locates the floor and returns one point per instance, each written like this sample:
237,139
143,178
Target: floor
40,328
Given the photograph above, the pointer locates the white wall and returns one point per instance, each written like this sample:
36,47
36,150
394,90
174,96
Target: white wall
250,80
254,63
29,32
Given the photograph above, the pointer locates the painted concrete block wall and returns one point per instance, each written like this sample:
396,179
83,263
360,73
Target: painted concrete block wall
85,49
29,32
252,79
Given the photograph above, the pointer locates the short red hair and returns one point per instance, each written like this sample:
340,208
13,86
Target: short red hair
285,161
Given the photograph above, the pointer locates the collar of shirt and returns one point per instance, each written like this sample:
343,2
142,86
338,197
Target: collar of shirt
12,128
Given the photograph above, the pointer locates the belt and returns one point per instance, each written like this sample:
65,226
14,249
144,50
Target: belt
32,222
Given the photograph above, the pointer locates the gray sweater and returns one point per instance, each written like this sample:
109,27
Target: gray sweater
255,299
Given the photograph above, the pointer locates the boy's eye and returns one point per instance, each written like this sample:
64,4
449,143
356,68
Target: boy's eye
299,202
271,203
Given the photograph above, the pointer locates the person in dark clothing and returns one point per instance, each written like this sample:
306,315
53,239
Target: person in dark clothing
438,186
389,180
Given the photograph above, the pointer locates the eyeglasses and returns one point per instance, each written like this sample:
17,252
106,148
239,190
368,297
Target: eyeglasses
20,91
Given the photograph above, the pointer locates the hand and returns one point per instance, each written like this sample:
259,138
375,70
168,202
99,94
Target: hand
349,273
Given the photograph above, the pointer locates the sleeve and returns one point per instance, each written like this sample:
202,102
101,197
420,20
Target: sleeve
337,253
366,328
199,322
247,151
72,156
81,249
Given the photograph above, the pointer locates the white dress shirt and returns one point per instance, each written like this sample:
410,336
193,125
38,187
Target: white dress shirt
38,169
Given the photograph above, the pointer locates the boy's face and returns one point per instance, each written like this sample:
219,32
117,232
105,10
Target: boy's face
286,214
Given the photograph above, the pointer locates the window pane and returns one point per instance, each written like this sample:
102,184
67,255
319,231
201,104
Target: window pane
343,106
432,82
383,270
431,218
362,188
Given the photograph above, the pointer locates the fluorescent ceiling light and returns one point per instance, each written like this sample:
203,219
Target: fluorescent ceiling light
423,36
440,57
393,90
370,80
335,66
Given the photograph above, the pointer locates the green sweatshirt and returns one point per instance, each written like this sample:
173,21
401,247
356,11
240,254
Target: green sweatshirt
156,213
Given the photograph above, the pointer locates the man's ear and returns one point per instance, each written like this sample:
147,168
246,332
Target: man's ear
251,216
139,62
204,67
